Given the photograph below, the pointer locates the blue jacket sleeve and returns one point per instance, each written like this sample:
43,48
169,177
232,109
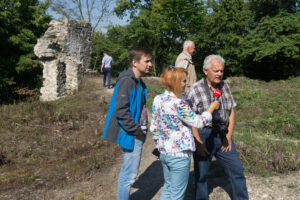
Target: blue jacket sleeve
122,110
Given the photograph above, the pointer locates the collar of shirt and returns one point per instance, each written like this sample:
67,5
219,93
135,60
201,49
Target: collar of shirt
170,93
188,55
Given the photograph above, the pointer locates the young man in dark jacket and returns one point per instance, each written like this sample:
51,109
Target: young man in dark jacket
127,116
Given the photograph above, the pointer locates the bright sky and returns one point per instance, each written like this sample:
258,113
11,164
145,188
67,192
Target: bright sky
113,20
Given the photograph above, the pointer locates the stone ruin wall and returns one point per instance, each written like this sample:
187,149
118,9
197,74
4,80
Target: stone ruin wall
65,52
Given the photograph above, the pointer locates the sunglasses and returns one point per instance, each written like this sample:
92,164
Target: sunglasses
172,67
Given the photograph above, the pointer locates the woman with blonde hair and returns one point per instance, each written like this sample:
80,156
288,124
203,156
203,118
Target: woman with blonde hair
172,120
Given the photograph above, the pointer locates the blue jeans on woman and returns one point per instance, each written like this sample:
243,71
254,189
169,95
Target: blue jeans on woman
176,174
106,73
229,160
129,169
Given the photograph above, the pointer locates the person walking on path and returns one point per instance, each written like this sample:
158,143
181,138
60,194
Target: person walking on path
216,137
184,60
172,119
126,122
106,67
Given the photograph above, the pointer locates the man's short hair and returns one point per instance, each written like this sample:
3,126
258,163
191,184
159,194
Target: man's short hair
187,43
208,59
171,78
136,53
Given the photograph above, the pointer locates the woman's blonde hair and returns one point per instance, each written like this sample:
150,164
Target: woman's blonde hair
171,77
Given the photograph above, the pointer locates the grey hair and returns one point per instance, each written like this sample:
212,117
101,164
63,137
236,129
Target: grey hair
208,59
187,43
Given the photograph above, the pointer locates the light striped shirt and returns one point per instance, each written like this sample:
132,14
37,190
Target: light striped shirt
200,101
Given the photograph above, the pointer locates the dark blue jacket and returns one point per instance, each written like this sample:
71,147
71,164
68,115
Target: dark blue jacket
122,122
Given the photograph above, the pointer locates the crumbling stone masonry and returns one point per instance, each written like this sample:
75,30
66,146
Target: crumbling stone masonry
65,52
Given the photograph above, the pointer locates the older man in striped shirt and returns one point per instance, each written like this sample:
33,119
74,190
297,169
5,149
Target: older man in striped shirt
216,138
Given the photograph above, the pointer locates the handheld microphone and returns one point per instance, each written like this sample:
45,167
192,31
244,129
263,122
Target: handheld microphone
217,94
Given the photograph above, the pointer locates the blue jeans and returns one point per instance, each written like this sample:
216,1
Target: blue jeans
176,174
129,169
229,160
106,72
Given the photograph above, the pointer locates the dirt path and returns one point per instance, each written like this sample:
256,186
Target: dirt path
102,186
150,181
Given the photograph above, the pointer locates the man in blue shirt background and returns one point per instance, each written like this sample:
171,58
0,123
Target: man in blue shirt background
107,63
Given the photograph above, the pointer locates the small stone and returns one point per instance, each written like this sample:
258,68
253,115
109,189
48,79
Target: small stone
265,196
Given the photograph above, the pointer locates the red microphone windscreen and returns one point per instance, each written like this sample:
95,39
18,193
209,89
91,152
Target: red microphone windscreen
217,93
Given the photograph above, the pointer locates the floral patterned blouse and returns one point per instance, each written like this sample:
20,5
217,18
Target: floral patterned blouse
172,119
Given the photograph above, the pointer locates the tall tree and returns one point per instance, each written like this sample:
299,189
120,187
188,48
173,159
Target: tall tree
113,43
138,33
92,11
22,22
163,25
226,25
271,8
131,7
272,49
251,36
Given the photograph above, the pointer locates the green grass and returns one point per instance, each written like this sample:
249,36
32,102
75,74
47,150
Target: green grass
271,107
153,90
267,124
291,186
265,155
157,90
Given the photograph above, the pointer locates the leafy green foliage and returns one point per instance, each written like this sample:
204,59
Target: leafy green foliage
111,43
161,26
258,38
21,24
226,25
271,50
262,8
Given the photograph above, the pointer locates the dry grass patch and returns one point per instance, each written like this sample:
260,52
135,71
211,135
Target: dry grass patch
51,144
